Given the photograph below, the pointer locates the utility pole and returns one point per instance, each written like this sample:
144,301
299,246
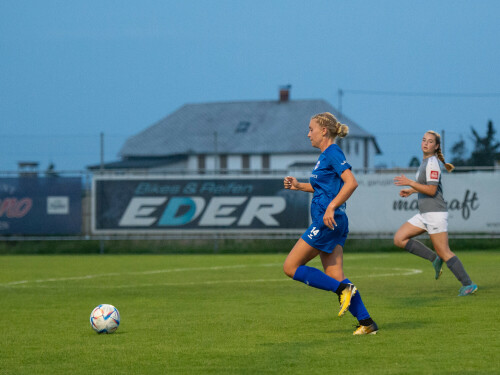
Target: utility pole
216,161
102,151
340,93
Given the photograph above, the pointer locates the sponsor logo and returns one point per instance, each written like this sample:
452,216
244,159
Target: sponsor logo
13,208
317,165
434,175
218,211
345,161
58,205
469,203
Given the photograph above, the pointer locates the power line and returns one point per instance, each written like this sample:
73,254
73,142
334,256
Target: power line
423,94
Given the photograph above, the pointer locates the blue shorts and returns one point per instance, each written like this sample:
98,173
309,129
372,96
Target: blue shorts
319,236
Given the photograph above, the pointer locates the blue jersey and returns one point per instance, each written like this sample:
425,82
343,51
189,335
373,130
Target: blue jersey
326,182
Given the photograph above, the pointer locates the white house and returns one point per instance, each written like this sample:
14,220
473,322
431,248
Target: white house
246,136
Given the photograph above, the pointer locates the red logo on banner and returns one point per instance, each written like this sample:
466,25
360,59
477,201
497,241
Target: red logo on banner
434,175
14,208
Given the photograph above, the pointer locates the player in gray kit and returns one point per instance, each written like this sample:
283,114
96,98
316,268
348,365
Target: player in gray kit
433,214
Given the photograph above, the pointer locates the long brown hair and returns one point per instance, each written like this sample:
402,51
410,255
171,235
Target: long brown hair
449,167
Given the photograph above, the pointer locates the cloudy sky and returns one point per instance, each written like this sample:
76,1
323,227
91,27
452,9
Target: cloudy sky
71,70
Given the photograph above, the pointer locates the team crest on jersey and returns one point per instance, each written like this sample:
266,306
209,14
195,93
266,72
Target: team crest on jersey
314,232
317,165
434,174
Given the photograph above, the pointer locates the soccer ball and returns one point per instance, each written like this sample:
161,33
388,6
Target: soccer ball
105,319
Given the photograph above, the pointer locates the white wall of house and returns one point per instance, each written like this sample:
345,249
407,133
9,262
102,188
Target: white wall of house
371,154
176,167
192,163
354,149
255,162
233,162
211,162
283,161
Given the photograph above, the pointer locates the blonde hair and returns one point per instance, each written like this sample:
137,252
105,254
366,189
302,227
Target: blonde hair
449,167
331,124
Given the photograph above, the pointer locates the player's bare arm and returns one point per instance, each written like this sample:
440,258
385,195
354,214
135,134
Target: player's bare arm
291,183
404,193
420,188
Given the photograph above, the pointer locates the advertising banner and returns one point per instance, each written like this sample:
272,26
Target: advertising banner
40,205
160,204
473,202
257,204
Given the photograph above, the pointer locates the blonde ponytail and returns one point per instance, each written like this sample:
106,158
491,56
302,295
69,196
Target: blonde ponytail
342,130
331,124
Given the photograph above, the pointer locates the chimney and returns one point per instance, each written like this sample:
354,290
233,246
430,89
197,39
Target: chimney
285,93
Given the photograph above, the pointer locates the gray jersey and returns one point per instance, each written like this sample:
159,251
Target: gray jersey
429,173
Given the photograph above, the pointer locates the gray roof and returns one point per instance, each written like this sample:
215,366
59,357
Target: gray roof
141,162
271,127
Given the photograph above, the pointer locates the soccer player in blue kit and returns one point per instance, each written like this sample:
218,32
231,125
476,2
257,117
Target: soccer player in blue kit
332,183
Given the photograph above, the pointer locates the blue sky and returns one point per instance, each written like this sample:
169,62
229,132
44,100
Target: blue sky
70,70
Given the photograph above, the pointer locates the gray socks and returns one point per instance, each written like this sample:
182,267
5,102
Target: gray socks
456,266
418,248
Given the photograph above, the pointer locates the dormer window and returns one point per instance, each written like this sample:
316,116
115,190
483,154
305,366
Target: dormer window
242,126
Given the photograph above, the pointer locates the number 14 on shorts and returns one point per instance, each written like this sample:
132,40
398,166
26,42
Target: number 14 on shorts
313,232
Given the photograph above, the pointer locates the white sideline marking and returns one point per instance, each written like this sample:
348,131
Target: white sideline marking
86,277
168,270
403,272
399,272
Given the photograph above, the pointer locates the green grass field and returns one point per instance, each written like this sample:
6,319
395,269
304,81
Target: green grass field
239,314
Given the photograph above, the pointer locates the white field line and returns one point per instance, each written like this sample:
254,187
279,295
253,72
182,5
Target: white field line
39,282
399,272
169,270
86,277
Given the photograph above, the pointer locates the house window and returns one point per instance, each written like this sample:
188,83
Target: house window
245,163
242,126
266,162
347,146
356,148
223,164
201,164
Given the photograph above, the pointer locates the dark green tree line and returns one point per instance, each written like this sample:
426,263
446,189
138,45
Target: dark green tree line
485,153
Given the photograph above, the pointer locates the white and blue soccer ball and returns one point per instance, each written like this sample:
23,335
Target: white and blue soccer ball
105,318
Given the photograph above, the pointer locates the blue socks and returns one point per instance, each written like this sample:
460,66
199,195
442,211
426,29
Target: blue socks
357,307
315,278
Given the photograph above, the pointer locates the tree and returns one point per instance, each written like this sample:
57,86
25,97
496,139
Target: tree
485,151
414,162
485,148
459,152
